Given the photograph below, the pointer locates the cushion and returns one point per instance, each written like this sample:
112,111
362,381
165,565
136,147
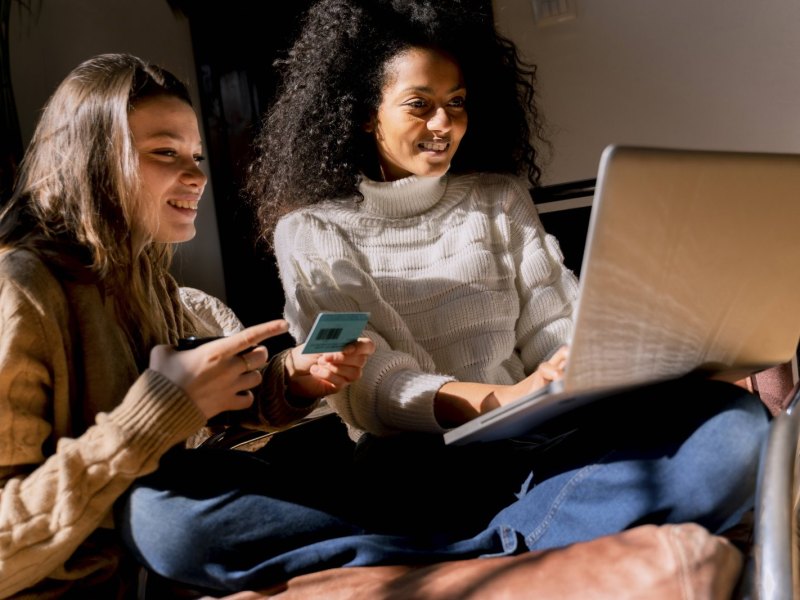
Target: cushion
655,562
774,386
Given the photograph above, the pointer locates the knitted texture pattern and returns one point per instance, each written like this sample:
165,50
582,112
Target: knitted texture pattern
458,275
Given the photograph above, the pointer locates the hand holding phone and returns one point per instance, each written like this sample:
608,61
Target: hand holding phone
217,377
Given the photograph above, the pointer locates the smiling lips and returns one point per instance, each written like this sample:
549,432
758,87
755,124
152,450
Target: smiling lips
183,204
188,204
435,146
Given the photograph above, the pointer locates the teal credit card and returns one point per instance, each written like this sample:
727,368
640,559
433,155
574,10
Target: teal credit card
332,331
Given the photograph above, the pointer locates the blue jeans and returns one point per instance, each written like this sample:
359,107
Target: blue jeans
226,521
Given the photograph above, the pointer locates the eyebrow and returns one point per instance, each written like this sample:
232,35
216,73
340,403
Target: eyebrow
429,90
166,133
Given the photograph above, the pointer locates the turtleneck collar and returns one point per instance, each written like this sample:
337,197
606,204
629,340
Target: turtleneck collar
402,198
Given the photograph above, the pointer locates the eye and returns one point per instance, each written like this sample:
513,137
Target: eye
169,152
416,103
198,158
458,102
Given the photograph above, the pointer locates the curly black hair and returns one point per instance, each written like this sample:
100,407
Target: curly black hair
312,145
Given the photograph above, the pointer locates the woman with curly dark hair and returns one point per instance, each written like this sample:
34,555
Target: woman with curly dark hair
313,147
393,178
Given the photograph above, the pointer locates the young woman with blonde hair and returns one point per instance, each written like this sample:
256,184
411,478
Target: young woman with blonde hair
92,390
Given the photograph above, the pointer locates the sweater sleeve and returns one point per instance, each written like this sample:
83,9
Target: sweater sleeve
396,390
547,289
273,409
52,500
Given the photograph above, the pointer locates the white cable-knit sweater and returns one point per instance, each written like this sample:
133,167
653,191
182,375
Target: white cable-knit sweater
458,275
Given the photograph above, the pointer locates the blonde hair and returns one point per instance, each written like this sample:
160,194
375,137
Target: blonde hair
76,200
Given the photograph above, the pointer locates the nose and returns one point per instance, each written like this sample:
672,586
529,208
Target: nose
193,175
440,121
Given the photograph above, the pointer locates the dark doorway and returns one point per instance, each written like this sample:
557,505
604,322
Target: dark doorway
235,44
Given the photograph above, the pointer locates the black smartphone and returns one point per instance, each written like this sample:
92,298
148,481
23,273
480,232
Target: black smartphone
193,341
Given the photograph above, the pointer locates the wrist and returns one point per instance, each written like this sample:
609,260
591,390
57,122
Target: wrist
292,391
289,367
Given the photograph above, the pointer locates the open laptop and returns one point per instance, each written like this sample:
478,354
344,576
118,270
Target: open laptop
692,262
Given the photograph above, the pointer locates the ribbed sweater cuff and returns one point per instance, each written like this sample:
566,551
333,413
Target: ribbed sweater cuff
278,407
156,414
411,406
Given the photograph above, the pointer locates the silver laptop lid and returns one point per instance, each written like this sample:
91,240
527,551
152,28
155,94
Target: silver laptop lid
692,259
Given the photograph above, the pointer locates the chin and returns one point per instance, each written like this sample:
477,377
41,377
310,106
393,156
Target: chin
187,237
432,170
177,237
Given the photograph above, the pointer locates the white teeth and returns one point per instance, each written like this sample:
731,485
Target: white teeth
434,146
182,204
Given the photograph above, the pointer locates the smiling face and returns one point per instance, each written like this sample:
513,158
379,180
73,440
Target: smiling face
422,116
167,138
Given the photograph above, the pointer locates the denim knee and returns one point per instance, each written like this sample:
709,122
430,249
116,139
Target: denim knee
162,535
704,474
725,465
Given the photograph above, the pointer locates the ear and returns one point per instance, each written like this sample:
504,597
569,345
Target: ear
369,126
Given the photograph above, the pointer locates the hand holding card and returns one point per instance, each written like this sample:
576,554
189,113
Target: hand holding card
332,331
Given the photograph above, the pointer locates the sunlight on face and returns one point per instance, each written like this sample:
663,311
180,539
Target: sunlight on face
422,116
167,138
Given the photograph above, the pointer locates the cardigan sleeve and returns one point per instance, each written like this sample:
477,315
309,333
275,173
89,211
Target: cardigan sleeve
53,498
